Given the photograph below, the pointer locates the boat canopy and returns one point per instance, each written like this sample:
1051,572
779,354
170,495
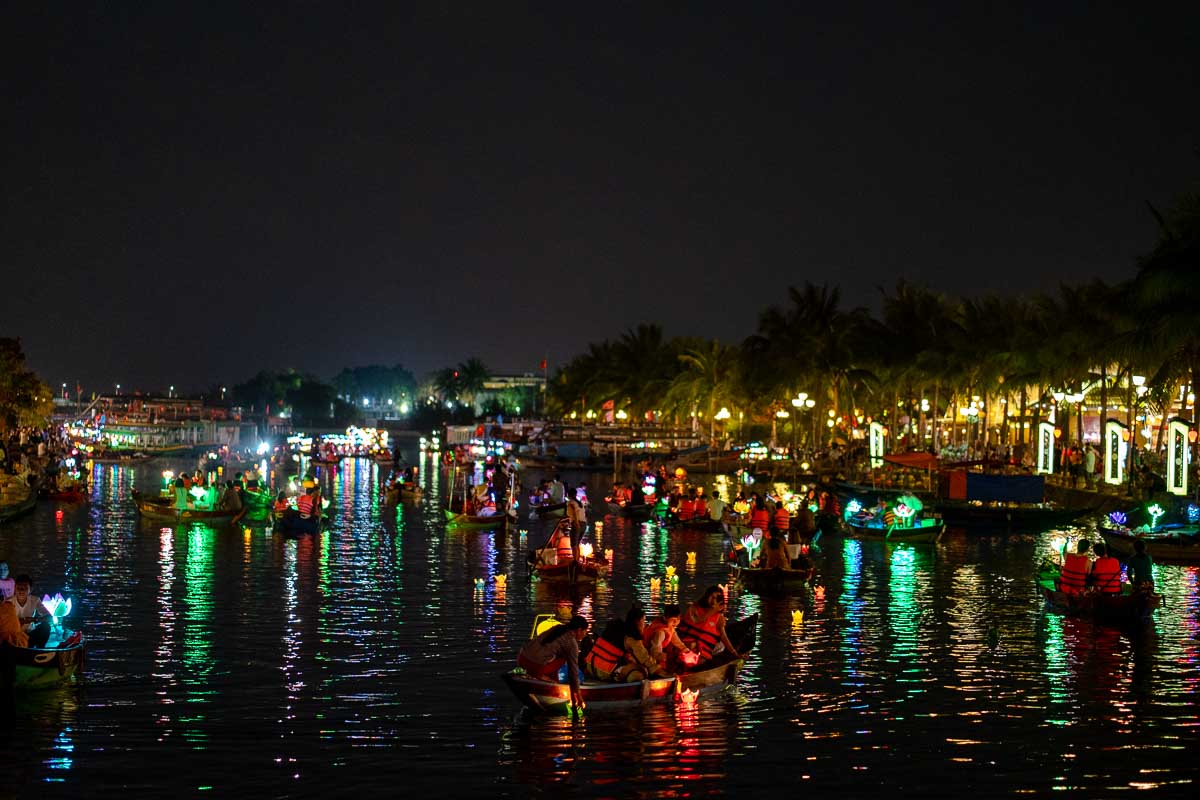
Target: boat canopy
916,460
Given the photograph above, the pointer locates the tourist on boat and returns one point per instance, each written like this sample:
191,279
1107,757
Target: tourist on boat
701,510
1141,567
576,522
775,554
231,498
760,520
1075,569
1106,571
782,519
687,506
702,627
716,510
662,641
543,655
33,616
607,652
10,627
281,504
637,664
557,491
306,504
7,584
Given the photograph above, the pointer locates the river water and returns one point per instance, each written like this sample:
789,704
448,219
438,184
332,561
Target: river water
230,662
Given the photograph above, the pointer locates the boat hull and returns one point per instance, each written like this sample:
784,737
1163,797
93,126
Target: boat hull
967,515
1179,546
158,510
28,668
15,510
775,581
468,521
1125,609
572,572
928,534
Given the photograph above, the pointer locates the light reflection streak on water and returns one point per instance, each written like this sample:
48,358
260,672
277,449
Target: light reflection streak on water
904,617
164,654
852,558
64,750
198,659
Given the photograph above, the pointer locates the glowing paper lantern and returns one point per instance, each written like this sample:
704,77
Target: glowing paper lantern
1155,511
501,581
1118,518
655,584
691,558
670,572
586,550
797,616
608,556
58,606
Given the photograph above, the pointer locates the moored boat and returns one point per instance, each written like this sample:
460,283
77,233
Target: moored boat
774,581
162,509
291,523
715,675
14,510
1126,608
1167,544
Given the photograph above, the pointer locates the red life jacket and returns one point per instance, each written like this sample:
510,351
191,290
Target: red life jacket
701,508
759,519
603,658
1106,574
562,548
701,637
281,505
687,508
305,505
652,630
1074,573
783,520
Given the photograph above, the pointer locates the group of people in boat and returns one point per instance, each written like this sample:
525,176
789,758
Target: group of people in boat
1081,573
204,492
629,649
24,619
304,507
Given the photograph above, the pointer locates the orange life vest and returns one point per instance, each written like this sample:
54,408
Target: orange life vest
1106,573
653,630
1074,573
701,508
759,519
703,636
563,548
687,508
603,658
305,505
281,505
783,520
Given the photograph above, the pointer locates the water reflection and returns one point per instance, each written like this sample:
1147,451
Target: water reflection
235,660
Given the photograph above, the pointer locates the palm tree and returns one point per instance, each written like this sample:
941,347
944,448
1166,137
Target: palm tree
709,379
471,375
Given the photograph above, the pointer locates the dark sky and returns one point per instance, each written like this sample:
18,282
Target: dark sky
194,193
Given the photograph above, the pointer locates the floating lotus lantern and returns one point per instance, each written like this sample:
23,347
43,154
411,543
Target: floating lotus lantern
246,531
599,526
797,616
852,508
691,558
670,573
688,697
58,606
1118,518
819,592
479,582
608,556
501,581
586,550
655,584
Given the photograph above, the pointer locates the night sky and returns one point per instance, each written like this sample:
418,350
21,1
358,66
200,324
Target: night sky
192,194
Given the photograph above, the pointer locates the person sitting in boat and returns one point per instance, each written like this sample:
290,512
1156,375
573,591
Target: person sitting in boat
1141,568
716,511
11,632
1075,569
607,652
701,506
662,642
687,506
33,616
231,498
306,504
560,540
637,664
181,492
805,527
1106,571
281,505
557,492
252,480
739,556
7,584
543,655
775,554
702,627
485,506
760,520
782,520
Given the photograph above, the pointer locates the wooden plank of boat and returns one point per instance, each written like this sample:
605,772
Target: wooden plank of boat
456,520
163,510
32,668
711,677
1167,545
930,531
775,581
547,510
1127,608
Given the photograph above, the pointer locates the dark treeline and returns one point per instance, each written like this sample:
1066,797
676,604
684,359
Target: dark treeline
926,351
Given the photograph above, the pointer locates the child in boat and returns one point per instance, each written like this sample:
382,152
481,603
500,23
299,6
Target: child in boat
664,645
637,663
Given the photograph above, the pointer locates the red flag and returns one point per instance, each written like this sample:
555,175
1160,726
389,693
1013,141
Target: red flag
543,367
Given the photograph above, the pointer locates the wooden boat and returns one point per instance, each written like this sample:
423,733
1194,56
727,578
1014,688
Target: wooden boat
547,510
1166,544
587,570
14,510
715,675
162,509
742,531
1024,516
258,502
1128,608
774,581
291,523
455,519
635,511
925,530
393,494
118,457
35,668
75,495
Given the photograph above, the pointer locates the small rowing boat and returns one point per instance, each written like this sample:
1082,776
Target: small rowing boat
713,676
1167,544
162,509
457,520
774,581
922,531
36,668
1124,609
